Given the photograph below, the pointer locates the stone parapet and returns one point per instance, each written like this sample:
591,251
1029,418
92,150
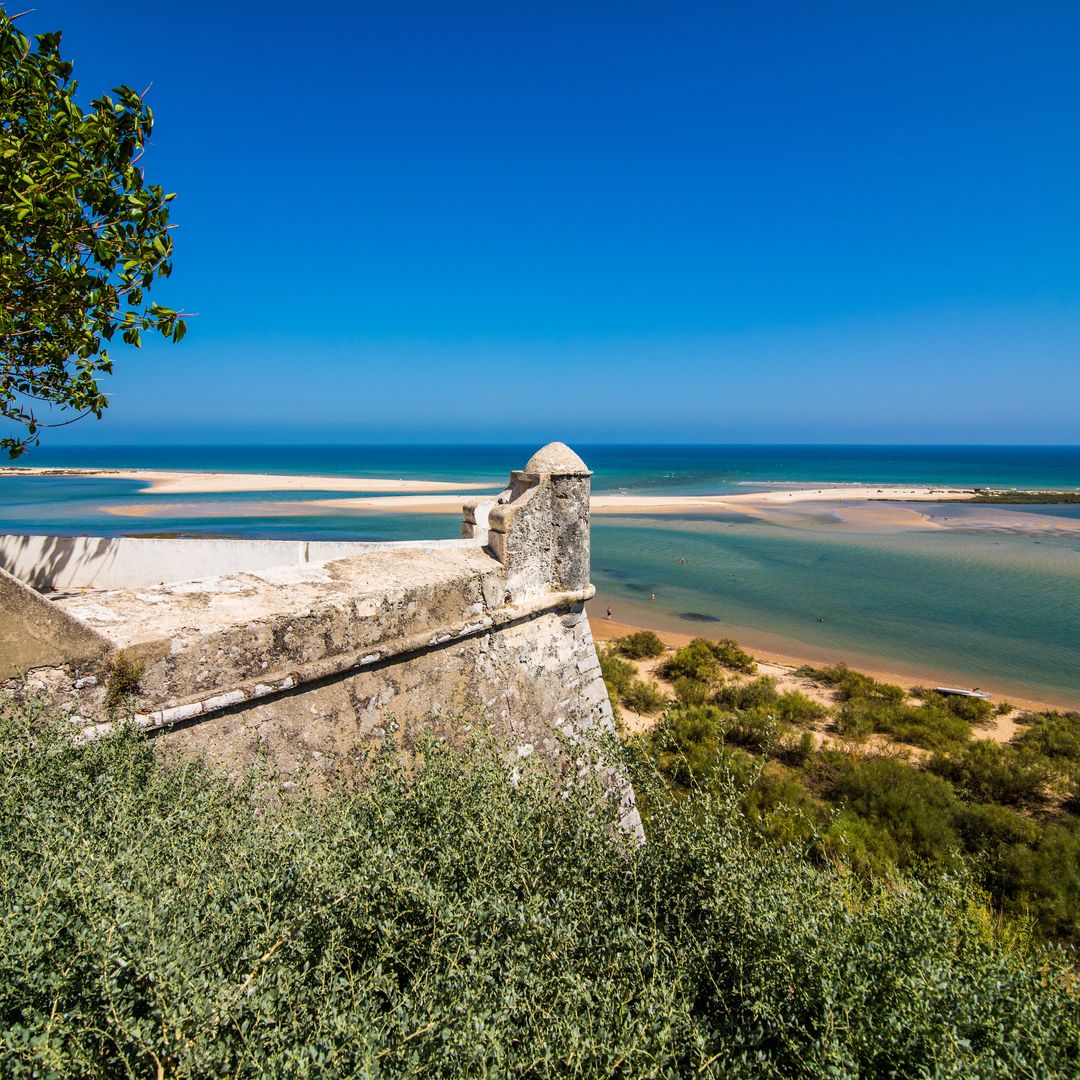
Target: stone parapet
306,658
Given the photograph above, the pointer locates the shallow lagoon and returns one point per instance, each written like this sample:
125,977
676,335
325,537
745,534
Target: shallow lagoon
978,599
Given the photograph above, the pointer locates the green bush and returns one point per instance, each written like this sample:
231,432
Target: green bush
703,660
617,672
758,693
644,697
687,744
989,772
988,829
694,661
781,809
755,729
447,920
794,707
1054,736
799,751
917,809
927,725
971,710
732,656
691,691
851,684
1041,879
853,722
640,645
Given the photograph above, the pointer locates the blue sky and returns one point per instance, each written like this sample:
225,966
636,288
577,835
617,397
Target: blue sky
627,222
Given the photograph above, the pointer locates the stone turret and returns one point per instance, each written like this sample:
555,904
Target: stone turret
539,527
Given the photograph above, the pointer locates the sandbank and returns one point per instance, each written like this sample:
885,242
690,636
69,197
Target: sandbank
676,504
169,482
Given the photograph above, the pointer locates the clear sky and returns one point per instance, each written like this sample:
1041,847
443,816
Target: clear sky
754,222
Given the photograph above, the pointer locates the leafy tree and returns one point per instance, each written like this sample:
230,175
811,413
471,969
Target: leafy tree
82,236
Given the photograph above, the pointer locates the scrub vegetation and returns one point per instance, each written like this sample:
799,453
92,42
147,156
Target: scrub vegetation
886,782
453,919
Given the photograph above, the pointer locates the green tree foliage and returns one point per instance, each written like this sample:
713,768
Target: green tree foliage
83,238
446,921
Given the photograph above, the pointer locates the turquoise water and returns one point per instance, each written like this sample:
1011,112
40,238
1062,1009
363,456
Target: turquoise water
997,610
670,469
995,606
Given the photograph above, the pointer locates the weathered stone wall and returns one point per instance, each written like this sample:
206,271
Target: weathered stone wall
306,660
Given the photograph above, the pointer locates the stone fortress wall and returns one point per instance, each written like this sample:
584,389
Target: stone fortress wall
306,651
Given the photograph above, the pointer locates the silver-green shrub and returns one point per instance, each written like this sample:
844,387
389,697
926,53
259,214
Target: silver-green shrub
453,919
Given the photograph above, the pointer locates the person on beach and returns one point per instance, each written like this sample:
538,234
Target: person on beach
609,613
652,598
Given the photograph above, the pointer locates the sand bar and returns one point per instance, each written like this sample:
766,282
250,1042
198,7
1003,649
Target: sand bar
676,504
169,482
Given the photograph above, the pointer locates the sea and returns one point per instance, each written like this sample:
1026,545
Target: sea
983,604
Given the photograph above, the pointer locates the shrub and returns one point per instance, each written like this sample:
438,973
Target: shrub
926,725
447,920
643,697
854,723
781,809
1041,879
794,707
694,661
617,672
850,684
732,656
971,710
756,729
800,751
916,808
640,645
861,844
758,693
1054,736
687,743
986,829
702,660
691,691
989,772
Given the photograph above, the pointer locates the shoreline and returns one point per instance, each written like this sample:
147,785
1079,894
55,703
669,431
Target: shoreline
788,654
